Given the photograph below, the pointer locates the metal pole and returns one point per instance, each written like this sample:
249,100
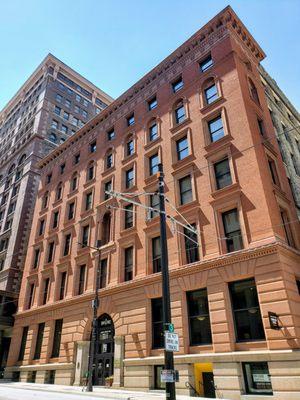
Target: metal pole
169,358
95,305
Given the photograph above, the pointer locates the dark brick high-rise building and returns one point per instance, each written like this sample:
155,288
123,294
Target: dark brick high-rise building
51,105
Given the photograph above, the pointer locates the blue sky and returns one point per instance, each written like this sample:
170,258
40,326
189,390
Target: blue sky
114,43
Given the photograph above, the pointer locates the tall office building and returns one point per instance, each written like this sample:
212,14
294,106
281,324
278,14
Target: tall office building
233,259
51,106
286,121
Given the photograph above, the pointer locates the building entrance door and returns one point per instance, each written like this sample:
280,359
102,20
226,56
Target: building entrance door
208,385
104,358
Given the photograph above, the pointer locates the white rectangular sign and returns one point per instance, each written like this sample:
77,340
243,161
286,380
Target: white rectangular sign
167,375
171,341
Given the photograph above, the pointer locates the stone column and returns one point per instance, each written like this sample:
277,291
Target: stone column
186,374
118,362
82,357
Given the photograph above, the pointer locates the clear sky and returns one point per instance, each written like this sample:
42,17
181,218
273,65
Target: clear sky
113,43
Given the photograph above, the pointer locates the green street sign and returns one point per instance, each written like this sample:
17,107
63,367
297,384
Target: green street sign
171,328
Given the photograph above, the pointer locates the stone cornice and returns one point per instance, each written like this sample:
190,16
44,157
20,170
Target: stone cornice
216,29
177,272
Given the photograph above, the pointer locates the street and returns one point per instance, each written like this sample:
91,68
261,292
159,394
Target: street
31,391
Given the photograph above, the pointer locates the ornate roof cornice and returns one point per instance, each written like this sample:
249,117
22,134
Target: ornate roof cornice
216,29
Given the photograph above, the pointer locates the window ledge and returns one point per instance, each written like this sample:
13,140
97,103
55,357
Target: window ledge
151,179
128,231
108,171
129,158
88,183
57,202
184,161
43,211
208,107
226,190
86,213
185,207
177,127
129,190
211,148
63,259
72,193
149,144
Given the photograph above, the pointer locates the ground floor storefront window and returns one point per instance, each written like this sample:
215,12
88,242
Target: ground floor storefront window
257,378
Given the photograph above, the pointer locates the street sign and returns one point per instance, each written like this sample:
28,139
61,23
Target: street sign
167,375
171,341
171,328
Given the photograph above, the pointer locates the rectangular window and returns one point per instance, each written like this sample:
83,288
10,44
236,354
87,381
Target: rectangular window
128,258
68,103
50,252
191,245
222,174
103,273
30,296
62,289
177,85
246,312
182,148
211,94
41,227
153,164
232,230
36,258
154,203
46,290
62,168
54,124
298,285
129,178
67,244
157,323
93,147
206,64
152,103
111,134
198,314
128,216
130,120
287,228
55,219
57,338
23,344
129,148
85,236
107,188
216,130
66,115
88,201
273,171
257,378
77,158
81,281
153,132
71,210
57,110
109,161
39,341
156,255
261,127
185,189
179,113
58,98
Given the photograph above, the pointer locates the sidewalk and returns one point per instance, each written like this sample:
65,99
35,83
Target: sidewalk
107,393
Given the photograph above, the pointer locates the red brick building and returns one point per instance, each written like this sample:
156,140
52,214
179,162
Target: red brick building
202,112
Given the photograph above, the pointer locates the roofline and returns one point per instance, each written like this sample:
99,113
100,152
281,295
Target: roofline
48,59
228,17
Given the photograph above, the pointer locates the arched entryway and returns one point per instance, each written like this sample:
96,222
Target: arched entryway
104,357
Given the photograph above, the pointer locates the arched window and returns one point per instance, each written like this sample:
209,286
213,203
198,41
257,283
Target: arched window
74,182
253,91
179,112
90,173
53,137
106,224
22,159
58,193
210,91
11,168
45,200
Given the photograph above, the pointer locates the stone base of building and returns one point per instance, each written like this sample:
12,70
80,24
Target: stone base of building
225,368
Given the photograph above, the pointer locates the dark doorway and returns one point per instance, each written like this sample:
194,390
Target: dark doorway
104,358
208,385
